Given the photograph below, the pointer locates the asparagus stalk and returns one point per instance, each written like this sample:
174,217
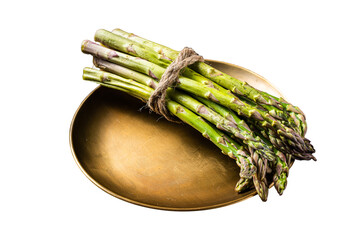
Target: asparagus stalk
258,178
244,163
261,186
243,184
181,98
133,48
291,115
249,158
261,163
225,112
282,164
294,112
280,176
126,45
235,85
241,132
143,92
196,88
281,144
290,160
280,168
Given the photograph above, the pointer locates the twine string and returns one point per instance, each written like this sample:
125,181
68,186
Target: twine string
170,78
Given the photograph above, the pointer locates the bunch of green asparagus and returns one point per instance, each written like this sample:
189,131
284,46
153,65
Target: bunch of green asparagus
264,134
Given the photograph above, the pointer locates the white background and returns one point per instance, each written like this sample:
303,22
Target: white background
310,50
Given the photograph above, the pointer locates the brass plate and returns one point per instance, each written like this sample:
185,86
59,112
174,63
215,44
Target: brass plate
146,160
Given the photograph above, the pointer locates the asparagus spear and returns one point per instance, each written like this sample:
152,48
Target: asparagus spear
131,47
261,163
261,186
244,163
143,92
294,112
181,98
293,117
128,46
243,184
235,85
259,177
279,167
241,132
281,144
196,88
277,143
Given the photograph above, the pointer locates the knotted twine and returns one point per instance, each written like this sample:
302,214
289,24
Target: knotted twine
170,78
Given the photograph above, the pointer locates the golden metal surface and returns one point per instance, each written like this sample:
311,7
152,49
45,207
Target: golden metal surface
137,157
